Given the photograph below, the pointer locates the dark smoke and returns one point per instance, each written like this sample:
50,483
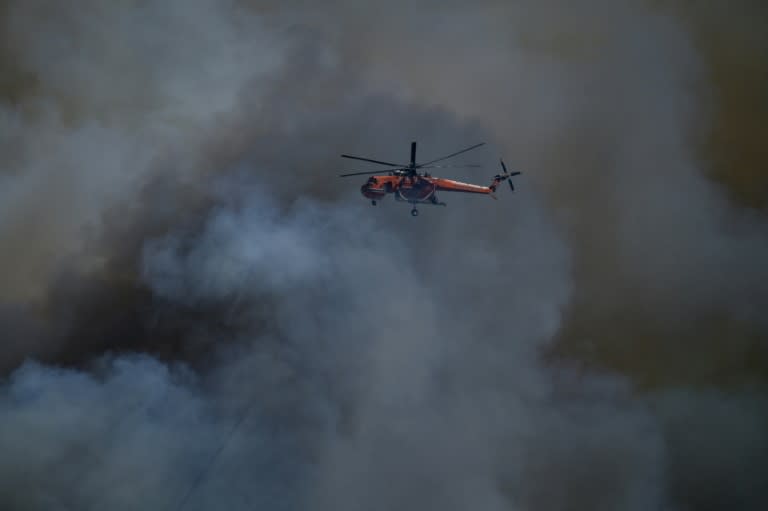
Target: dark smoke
196,313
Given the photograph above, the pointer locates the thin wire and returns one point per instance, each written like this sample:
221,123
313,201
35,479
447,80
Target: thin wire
246,411
204,472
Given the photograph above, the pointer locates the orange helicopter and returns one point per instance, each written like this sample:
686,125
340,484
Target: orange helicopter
410,185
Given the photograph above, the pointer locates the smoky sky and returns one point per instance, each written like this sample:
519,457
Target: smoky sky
196,313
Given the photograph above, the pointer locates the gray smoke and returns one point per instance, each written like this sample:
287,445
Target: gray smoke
197,314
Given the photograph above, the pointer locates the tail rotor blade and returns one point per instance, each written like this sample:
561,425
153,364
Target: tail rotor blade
413,154
508,175
509,179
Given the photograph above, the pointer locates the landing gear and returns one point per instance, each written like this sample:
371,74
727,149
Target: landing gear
436,202
373,203
414,212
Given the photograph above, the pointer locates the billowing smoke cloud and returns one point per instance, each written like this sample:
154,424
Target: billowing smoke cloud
115,89
216,321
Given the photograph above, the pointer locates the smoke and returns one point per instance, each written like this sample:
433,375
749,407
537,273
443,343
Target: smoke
217,321
115,90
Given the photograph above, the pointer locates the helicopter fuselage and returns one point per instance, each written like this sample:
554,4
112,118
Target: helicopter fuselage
405,188
417,188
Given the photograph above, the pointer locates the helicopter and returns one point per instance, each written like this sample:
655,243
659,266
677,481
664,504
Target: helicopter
411,183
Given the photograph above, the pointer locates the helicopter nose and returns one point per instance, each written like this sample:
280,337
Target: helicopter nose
371,193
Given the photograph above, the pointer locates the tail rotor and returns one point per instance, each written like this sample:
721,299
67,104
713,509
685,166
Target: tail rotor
506,176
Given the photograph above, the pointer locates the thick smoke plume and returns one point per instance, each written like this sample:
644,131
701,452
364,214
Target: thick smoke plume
197,314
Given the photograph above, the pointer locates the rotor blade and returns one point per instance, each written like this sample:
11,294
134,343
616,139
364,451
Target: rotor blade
503,166
413,154
372,161
452,155
372,172
449,166
509,177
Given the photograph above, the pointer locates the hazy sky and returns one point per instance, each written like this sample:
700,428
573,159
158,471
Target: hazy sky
196,313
